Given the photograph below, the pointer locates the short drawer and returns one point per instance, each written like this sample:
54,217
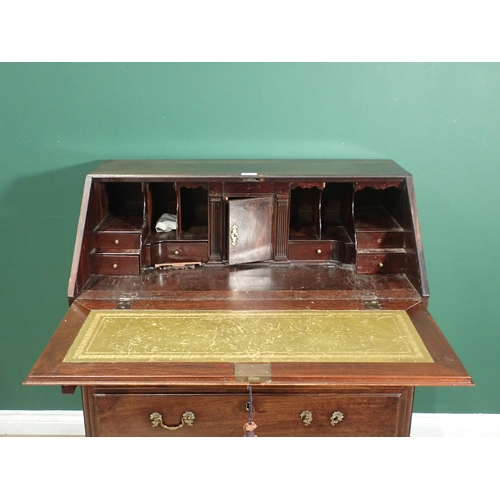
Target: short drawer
199,415
380,263
328,415
380,239
310,250
179,252
118,240
130,415
114,263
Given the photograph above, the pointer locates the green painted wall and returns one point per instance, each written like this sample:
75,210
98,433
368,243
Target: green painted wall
439,121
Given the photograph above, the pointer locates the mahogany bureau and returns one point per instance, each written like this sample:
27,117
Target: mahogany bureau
207,295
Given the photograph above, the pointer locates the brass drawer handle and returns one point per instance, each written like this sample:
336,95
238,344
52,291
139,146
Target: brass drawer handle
306,416
157,420
337,416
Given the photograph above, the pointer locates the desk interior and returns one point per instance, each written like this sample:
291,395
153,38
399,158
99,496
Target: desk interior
259,283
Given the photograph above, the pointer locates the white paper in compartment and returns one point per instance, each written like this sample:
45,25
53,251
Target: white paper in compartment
166,223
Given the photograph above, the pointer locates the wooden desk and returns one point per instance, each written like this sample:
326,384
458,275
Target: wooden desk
304,280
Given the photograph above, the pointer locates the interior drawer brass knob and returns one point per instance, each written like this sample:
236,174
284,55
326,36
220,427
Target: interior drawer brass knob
176,252
306,416
318,251
116,242
156,420
381,264
337,416
115,266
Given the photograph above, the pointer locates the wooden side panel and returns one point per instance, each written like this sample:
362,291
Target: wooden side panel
91,212
416,270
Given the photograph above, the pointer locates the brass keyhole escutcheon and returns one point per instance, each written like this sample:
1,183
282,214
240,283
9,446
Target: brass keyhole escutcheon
337,416
247,407
234,235
306,416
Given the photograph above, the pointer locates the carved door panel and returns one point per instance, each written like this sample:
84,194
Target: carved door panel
250,230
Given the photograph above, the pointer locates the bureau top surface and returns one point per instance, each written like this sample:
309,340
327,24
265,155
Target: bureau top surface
252,169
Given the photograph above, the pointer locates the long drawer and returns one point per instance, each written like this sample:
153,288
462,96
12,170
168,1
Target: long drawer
319,414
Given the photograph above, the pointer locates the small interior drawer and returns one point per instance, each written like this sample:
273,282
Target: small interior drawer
251,188
114,263
379,239
380,263
310,250
118,240
177,251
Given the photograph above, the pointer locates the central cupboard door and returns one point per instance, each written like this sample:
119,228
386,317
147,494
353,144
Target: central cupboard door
250,229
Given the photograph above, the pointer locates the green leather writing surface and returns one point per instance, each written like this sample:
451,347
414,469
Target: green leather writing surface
247,336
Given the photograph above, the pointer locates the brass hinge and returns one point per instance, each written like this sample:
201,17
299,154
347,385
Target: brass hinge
252,373
125,301
370,300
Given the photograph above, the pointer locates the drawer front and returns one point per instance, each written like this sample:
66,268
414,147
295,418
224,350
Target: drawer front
338,415
130,414
179,252
114,263
310,250
380,239
249,188
117,240
226,414
380,263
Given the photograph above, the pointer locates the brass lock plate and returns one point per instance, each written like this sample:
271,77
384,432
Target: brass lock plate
254,373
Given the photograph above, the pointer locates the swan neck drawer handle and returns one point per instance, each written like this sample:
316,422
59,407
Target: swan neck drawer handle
306,416
156,420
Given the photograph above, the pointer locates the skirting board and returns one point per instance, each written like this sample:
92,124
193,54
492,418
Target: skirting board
70,423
